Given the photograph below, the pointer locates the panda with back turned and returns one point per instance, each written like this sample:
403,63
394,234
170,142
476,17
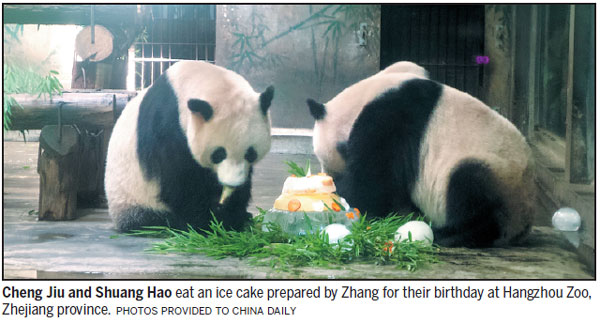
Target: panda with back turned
185,147
399,142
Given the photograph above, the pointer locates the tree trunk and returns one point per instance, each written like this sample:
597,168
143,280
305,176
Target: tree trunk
58,166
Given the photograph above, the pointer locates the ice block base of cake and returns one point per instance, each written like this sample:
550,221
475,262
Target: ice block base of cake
297,223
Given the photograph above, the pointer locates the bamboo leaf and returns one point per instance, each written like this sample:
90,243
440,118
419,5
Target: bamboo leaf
275,248
297,170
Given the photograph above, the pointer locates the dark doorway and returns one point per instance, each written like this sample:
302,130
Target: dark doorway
444,39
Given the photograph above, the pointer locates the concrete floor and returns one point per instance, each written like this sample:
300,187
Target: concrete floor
84,248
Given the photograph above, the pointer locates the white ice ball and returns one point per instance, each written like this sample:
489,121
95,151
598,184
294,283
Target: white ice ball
419,230
336,232
566,219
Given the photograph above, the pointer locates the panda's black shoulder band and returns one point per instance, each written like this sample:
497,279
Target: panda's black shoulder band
317,110
202,107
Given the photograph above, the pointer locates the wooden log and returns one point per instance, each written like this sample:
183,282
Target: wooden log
58,166
103,76
92,155
83,109
83,75
96,48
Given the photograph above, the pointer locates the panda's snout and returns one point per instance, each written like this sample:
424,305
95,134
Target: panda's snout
232,174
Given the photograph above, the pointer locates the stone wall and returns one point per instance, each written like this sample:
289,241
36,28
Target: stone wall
303,50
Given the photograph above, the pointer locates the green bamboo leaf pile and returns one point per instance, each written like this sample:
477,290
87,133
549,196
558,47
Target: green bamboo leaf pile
369,241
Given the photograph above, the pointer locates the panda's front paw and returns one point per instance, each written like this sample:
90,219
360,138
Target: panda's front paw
232,219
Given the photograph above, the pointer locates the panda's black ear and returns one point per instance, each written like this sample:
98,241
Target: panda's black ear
265,99
202,107
317,110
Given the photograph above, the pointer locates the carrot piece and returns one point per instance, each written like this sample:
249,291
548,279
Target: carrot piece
294,205
327,182
350,215
335,207
388,247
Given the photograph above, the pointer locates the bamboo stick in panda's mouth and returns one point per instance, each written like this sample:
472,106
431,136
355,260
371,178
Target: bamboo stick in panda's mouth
227,191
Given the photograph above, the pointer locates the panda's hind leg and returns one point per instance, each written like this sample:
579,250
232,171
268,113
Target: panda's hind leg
474,208
138,217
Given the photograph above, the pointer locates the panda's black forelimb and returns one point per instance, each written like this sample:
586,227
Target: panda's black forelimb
137,218
474,207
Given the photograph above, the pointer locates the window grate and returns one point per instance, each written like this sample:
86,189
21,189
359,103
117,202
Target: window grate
174,33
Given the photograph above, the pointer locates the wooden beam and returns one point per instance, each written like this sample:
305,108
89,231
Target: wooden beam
569,121
107,15
534,51
512,102
80,108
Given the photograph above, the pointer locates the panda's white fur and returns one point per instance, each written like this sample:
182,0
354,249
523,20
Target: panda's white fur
231,115
461,130
406,67
124,182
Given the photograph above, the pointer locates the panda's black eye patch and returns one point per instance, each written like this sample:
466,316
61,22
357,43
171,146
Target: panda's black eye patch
218,155
251,155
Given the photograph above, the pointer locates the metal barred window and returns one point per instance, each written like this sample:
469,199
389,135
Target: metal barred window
173,33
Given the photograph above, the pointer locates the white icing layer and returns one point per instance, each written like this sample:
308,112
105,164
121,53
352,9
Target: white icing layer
309,184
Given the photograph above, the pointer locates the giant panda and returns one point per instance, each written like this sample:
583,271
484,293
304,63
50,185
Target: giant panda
399,142
184,148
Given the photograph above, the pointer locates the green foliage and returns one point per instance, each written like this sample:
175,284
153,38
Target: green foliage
370,241
19,79
297,170
8,103
142,37
22,76
26,79
12,33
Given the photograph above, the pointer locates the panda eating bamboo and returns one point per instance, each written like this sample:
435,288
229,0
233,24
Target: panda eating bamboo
184,148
